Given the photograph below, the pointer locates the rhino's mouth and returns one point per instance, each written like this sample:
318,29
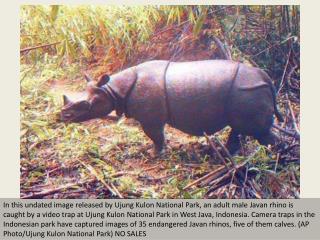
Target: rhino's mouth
66,117
75,112
70,117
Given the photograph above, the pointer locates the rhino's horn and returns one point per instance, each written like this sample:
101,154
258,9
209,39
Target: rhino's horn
66,100
88,78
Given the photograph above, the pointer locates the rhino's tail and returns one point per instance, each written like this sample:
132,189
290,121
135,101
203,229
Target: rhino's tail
274,96
267,83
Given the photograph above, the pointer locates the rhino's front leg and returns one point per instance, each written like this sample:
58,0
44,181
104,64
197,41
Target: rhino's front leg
233,143
156,134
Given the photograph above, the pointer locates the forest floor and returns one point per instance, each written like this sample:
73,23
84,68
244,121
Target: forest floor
109,158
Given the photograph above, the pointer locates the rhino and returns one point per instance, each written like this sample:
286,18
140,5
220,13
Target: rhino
195,97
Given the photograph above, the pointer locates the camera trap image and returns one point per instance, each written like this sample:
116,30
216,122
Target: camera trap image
159,101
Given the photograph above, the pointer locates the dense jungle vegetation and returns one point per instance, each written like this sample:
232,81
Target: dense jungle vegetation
109,158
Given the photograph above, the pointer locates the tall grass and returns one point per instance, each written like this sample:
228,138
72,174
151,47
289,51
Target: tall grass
78,28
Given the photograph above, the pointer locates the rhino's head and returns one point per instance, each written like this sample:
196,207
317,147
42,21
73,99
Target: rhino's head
97,102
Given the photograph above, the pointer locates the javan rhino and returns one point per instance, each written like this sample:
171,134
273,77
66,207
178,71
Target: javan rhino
195,97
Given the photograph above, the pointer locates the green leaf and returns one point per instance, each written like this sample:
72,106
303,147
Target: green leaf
199,24
54,12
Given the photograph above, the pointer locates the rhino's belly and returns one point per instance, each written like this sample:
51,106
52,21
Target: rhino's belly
195,121
197,129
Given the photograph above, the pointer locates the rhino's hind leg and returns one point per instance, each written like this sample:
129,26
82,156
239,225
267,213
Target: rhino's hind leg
266,138
156,134
233,143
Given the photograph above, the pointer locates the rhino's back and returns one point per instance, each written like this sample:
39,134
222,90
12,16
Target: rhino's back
197,94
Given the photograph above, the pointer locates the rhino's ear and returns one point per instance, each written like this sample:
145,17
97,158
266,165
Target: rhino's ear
66,100
124,83
88,78
103,80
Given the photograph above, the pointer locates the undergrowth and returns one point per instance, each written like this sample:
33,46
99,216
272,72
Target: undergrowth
103,158
55,154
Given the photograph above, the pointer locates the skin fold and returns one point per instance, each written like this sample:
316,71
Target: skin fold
194,97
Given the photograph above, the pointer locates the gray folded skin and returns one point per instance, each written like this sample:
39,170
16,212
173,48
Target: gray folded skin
194,97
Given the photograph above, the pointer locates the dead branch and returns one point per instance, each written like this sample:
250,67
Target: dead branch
213,147
284,72
294,121
284,161
116,190
277,161
289,78
229,176
55,190
151,168
226,151
118,174
39,46
274,45
210,179
214,173
291,134
231,181
113,190
230,172
220,179
289,148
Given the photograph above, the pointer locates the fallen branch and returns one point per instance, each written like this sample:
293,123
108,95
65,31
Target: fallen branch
93,172
118,174
227,178
292,134
116,190
284,73
230,172
213,147
284,161
294,121
39,46
244,184
226,151
209,175
231,181
274,45
285,150
55,190
151,168
220,179
277,161
289,78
